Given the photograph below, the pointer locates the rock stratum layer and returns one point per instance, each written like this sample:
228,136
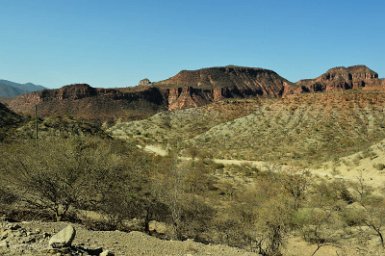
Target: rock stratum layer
198,87
185,90
342,78
82,101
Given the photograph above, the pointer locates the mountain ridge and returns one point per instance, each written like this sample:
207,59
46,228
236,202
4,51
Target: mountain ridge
9,89
187,89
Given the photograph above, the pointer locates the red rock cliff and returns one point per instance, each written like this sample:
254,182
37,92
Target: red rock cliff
341,78
199,87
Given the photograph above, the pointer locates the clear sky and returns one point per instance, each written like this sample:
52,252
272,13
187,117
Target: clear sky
109,43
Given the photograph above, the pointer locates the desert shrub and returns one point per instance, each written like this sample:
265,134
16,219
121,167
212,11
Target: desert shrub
372,208
319,226
353,214
7,197
268,209
46,175
379,166
196,218
57,174
233,227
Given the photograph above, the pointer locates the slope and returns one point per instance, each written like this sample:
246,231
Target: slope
300,129
82,101
10,89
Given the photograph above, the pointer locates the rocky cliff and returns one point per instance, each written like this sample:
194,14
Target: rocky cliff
186,89
85,102
342,78
198,87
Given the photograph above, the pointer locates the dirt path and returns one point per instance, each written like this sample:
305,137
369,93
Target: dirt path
373,177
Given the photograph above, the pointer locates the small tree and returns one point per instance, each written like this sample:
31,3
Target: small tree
373,208
48,175
272,209
273,224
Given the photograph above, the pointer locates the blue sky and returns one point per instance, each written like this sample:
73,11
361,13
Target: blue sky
113,43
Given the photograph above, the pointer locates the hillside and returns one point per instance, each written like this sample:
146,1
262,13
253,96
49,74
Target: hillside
187,89
301,129
7,117
220,173
166,127
10,89
82,101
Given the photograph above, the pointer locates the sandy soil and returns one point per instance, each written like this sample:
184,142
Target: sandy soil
121,243
348,168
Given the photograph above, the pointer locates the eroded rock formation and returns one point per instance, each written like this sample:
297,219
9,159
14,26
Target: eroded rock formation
341,78
199,87
185,90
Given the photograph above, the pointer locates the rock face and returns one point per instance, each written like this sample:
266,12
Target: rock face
64,238
199,87
341,78
145,82
185,90
82,101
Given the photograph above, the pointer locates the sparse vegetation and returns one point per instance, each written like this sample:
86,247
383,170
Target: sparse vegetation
77,172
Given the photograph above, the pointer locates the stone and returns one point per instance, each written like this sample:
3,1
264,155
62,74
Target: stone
145,82
64,238
107,253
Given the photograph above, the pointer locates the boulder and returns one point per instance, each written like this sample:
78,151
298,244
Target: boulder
64,238
145,82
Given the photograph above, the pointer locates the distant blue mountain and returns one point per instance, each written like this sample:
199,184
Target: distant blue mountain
10,89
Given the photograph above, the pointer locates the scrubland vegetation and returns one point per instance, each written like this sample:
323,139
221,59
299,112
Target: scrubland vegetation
100,176
109,184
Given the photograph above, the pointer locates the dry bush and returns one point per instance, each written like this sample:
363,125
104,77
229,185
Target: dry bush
57,174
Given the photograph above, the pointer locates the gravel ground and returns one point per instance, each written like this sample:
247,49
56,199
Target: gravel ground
120,243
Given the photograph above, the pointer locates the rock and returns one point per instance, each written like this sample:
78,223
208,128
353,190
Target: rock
194,88
145,81
107,253
342,78
64,238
